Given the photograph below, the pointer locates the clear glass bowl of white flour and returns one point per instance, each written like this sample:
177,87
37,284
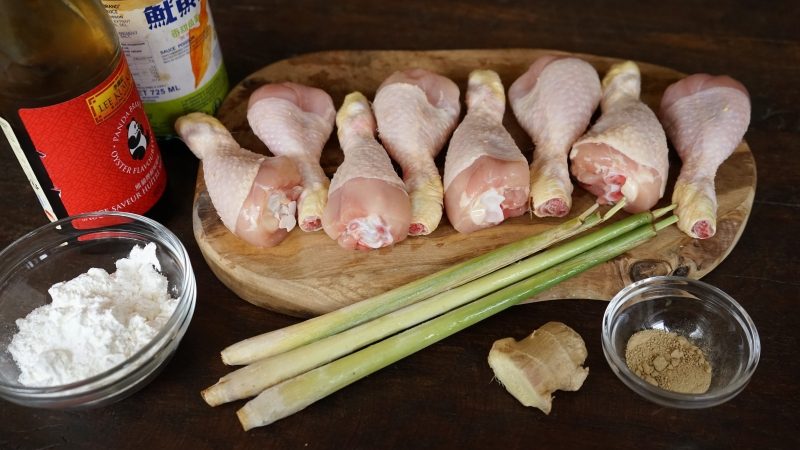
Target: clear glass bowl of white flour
92,307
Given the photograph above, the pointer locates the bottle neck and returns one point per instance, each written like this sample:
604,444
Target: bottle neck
54,50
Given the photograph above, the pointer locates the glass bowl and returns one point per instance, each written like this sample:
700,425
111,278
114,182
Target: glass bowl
62,250
706,316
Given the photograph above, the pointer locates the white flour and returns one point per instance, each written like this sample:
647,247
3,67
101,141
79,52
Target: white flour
95,321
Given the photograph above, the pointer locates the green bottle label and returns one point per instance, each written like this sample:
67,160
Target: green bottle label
174,56
206,99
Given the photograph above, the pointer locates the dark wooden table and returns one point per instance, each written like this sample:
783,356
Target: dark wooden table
444,396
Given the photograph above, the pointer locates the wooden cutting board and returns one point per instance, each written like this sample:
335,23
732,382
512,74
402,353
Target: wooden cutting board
309,274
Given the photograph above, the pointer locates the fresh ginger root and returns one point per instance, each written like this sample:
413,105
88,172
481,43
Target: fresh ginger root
532,369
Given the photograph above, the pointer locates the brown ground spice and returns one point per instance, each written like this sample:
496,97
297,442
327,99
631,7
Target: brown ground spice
668,361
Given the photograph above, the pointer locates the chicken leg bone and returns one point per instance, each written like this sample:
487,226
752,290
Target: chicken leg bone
486,177
705,117
368,206
416,111
296,121
625,153
554,102
254,195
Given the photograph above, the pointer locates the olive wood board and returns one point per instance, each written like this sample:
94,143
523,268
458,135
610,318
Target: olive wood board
309,274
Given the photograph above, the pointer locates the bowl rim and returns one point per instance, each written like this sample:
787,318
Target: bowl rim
182,309
676,399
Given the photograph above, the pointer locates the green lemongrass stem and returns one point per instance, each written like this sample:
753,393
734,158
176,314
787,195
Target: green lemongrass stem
254,378
296,393
285,339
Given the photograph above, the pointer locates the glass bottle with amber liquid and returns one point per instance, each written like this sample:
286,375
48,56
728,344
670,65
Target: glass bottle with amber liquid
70,111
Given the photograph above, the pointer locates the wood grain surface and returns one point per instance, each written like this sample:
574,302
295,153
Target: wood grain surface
308,273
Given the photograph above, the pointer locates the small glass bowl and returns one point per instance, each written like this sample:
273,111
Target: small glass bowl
705,315
62,250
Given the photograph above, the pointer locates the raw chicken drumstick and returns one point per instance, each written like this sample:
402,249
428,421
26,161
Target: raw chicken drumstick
254,195
295,121
625,153
486,177
368,206
416,111
554,102
705,117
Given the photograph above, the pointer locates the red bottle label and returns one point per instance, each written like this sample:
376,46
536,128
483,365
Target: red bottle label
98,149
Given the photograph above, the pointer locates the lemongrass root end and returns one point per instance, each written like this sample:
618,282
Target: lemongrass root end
251,416
212,397
268,407
240,353
225,358
246,419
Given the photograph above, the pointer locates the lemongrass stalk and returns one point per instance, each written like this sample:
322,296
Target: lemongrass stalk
283,340
279,341
254,378
296,393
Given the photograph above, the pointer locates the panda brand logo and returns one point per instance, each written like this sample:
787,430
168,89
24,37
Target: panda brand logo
137,140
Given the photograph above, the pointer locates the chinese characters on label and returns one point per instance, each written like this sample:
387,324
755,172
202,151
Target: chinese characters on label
164,13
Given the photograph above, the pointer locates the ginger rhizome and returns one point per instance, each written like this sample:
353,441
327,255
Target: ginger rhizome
531,369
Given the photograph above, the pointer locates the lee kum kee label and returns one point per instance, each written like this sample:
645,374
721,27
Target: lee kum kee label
103,103
98,149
